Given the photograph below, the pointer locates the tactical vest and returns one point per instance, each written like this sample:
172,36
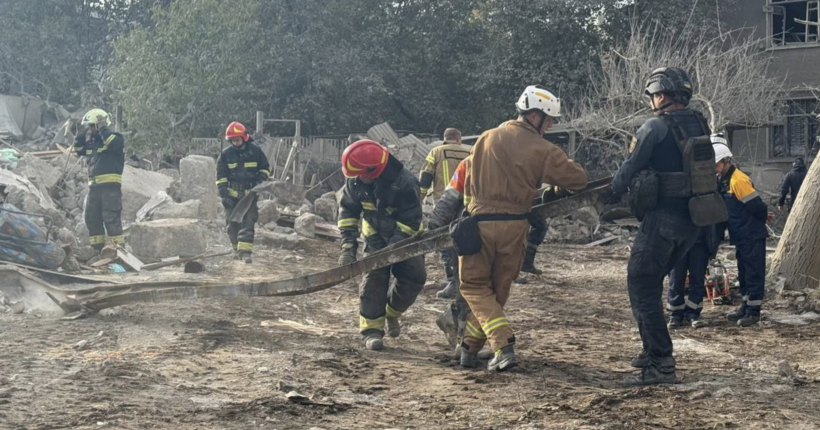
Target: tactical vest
697,181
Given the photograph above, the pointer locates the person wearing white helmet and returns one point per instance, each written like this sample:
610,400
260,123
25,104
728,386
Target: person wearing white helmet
502,176
103,206
748,215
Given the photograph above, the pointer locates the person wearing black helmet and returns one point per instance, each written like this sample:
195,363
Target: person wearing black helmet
668,169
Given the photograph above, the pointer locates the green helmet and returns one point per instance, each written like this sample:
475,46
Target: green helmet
96,117
670,80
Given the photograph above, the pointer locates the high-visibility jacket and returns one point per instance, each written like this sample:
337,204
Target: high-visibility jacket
439,166
389,208
106,153
747,211
240,169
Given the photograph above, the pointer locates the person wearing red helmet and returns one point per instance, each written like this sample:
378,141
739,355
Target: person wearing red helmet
240,167
384,196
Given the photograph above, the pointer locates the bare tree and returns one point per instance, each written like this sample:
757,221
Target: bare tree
729,71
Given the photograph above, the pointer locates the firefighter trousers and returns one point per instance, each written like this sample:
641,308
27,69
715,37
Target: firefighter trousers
486,278
241,234
662,240
379,298
751,271
103,215
679,303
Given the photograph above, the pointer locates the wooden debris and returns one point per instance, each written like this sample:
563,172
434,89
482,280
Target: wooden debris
155,266
129,260
602,241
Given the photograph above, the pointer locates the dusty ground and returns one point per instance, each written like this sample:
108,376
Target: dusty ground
227,364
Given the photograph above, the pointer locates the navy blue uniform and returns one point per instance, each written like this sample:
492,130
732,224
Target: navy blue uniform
665,234
747,231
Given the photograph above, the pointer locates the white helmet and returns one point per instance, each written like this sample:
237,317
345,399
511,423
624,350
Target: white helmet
721,151
536,97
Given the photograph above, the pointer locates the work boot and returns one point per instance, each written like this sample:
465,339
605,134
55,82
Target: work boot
738,314
651,375
373,342
447,322
504,359
675,322
393,327
449,292
236,255
748,320
246,257
641,360
695,321
468,359
529,261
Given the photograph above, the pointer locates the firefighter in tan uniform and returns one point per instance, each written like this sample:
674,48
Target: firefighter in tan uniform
508,165
439,167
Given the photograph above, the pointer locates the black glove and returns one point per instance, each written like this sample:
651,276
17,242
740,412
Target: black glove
609,197
348,255
228,203
261,177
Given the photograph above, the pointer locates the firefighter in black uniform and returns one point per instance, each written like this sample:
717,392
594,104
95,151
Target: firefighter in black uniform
103,206
240,167
385,196
670,151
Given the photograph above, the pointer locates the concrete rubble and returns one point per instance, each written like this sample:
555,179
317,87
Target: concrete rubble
268,212
151,240
198,182
326,207
305,225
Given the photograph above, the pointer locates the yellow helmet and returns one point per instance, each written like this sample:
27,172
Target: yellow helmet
95,117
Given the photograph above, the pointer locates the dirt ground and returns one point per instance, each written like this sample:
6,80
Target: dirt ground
228,364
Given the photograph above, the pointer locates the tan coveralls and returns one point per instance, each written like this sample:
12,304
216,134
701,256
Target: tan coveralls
508,165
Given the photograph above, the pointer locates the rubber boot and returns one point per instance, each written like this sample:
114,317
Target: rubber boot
529,260
468,359
738,314
393,327
748,320
641,360
504,359
449,292
373,342
447,322
675,322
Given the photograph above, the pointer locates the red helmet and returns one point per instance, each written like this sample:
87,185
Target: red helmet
365,158
236,129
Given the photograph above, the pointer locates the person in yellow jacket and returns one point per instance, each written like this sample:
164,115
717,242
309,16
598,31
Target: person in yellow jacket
439,167
507,166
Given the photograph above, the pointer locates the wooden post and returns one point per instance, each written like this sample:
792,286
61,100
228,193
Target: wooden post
119,118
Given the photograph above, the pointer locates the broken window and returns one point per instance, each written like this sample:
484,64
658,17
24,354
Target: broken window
798,136
793,22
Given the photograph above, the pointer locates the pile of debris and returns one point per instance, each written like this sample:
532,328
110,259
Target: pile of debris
584,227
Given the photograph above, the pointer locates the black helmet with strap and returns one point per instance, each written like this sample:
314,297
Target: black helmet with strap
672,81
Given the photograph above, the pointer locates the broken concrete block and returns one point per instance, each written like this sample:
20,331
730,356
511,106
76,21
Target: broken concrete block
167,238
81,233
57,217
171,173
326,207
38,171
138,186
305,225
67,237
198,182
188,209
268,212
271,226
85,253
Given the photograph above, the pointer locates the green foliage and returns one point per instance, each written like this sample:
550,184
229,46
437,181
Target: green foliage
193,73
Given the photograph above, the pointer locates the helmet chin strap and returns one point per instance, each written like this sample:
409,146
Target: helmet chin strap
540,123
